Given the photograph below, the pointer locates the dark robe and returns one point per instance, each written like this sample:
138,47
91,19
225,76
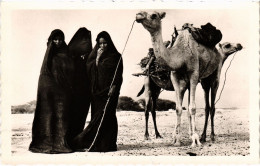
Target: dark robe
53,104
101,78
80,47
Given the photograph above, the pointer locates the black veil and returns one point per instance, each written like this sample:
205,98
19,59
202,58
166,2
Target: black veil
80,47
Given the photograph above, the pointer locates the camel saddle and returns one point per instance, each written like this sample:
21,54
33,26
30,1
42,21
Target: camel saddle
207,35
158,72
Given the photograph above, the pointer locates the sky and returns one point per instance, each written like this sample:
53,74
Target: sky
26,30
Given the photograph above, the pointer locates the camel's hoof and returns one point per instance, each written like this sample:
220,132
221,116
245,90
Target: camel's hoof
198,142
177,144
212,137
176,141
158,136
147,137
203,139
195,140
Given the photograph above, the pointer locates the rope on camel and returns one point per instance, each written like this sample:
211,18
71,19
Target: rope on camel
225,79
110,89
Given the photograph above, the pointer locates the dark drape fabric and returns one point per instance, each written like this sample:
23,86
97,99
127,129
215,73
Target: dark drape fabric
101,77
50,124
80,47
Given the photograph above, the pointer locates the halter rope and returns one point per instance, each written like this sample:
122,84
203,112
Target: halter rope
225,79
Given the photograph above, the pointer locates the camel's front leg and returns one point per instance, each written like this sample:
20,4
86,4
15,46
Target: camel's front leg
155,95
147,93
192,110
179,91
189,116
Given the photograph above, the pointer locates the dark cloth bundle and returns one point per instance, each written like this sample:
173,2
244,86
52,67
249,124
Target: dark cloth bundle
158,72
157,69
208,35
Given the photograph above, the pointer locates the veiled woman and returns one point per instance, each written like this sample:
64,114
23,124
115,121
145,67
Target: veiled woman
50,122
80,47
101,67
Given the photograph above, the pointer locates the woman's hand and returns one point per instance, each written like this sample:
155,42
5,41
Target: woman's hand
99,52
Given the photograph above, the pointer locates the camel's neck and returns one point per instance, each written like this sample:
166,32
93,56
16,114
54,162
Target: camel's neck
223,56
159,49
171,57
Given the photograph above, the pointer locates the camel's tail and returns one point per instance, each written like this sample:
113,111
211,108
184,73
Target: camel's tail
141,91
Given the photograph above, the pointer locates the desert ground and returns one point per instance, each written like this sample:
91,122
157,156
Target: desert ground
231,129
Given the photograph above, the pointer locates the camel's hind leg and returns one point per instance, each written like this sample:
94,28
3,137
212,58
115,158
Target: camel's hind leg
180,87
148,103
214,89
155,94
206,87
192,110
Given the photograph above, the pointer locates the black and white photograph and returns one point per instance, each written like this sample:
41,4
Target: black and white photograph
130,83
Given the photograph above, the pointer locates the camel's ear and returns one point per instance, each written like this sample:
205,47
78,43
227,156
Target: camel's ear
162,15
220,45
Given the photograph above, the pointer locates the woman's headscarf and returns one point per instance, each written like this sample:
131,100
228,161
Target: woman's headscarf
46,65
106,70
110,45
55,33
81,43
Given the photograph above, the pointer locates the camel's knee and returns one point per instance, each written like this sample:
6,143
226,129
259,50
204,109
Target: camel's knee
192,109
215,84
147,94
183,88
146,113
207,107
147,97
178,110
188,114
153,112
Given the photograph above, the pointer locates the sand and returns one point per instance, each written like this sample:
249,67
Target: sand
231,129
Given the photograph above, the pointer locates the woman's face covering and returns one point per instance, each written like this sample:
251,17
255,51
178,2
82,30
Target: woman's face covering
57,41
103,44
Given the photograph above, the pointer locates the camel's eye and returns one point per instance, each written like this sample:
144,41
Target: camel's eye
153,16
227,46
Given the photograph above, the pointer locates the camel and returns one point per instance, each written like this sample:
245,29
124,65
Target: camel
188,61
152,87
211,83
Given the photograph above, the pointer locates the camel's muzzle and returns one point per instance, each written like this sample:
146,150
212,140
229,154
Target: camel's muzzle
239,47
139,17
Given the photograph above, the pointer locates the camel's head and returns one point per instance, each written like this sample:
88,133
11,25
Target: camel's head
151,22
229,48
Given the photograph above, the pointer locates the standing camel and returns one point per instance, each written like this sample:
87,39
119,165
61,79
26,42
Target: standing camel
188,61
211,83
153,85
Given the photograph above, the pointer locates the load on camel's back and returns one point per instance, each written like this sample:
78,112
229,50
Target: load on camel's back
208,35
